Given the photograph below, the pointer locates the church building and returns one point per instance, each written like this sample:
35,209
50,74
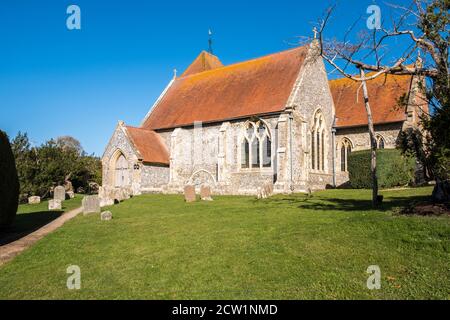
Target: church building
277,119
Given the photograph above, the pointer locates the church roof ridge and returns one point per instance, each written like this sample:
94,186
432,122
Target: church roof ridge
236,64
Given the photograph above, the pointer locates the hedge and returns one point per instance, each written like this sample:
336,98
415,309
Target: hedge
393,169
9,183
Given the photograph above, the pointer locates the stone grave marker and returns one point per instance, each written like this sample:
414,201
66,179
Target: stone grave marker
34,200
189,193
55,205
59,193
106,216
91,204
205,193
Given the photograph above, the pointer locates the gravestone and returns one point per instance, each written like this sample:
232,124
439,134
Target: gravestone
55,205
205,193
265,191
90,204
106,216
70,194
189,193
59,193
34,200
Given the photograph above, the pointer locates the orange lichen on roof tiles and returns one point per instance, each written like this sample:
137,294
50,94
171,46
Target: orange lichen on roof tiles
150,145
204,62
384,95
259,86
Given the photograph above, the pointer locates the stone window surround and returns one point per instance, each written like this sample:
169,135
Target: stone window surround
118,153
243,136
380,138
347,142
322,127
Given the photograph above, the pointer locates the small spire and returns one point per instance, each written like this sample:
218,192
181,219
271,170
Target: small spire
210,41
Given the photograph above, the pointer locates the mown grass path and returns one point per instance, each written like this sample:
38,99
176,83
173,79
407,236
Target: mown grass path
32,223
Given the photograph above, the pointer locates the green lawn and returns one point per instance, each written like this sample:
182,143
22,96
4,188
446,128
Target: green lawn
286,247
30,218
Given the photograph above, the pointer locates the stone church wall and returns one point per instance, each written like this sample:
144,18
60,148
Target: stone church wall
210,154
360,140
313,79
119,143
154,178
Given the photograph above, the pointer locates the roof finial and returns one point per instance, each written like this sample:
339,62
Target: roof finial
174,73
315,32
210,41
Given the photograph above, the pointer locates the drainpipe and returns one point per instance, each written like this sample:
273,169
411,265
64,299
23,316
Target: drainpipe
291,117
333,139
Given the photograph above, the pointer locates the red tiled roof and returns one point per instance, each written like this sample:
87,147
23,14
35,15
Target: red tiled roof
204,62
258,86
150,145
384,93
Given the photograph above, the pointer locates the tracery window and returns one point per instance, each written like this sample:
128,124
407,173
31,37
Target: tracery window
256,146
318,143
346,149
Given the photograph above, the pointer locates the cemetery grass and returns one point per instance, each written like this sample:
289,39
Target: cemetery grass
30,218
285,247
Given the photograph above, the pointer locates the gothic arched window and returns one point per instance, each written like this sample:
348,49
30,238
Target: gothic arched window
318,143
256,150
346,149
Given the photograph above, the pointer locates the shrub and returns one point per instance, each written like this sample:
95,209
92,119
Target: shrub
9,183
393,169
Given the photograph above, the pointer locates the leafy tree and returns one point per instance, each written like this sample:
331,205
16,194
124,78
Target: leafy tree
25,163
68,143
53,163
9,183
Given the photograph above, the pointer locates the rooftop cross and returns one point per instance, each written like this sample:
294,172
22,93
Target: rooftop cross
315,32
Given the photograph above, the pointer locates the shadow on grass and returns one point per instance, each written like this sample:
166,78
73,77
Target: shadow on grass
336,204
24,224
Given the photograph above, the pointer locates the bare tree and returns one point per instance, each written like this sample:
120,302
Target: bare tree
421,26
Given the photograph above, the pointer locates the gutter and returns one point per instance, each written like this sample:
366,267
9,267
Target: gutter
333,143
291,117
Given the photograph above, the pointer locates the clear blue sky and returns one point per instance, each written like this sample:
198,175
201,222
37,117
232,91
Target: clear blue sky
56,82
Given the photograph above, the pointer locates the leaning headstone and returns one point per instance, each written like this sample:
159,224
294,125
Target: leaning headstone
205,193
70,194
259,193
59,193
34,200
90,204
55,204
189,193
106,216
